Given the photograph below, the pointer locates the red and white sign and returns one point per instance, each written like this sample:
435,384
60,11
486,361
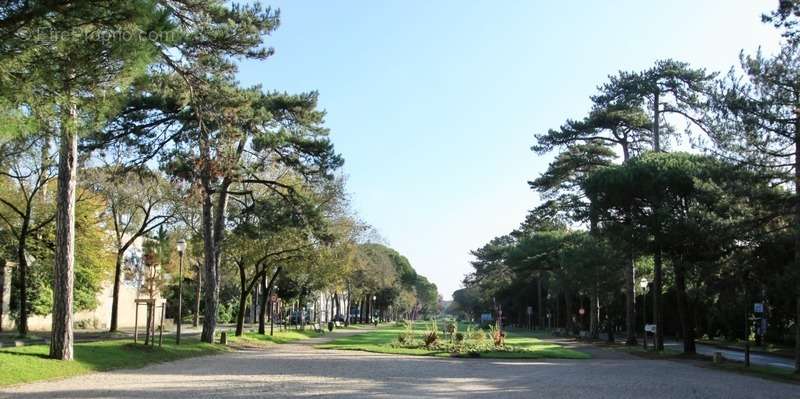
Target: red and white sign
581,311
273,298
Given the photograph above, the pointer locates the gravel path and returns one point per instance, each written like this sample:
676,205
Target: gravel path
300,370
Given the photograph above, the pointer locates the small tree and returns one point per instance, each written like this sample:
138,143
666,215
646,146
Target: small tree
138,203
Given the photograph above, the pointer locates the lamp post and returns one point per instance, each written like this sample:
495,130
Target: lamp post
181,244
643,283
372,308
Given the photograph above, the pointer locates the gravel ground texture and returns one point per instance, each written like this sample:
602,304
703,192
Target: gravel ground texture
300,370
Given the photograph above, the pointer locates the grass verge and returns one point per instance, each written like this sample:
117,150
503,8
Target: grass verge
30,363
767,372
253,339
380,341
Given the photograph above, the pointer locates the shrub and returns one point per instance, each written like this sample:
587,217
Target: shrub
405,338
498,336
477,336
459,337
451,327
401,323
431,336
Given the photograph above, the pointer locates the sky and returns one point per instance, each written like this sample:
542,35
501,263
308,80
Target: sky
434,104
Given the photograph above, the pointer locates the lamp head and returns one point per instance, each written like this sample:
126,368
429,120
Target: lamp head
181,244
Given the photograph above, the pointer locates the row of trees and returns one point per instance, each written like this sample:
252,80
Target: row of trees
711,231
141,98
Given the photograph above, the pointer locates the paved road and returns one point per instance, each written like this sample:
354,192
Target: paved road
300,370
732,354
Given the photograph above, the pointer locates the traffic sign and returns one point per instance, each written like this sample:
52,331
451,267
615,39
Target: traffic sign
758,307
273,298
581,311
530,310
651,328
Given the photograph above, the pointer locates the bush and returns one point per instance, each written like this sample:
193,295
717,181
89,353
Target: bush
405,338
477,336
451,328
498,336
227,312
401,323
459,337
431,336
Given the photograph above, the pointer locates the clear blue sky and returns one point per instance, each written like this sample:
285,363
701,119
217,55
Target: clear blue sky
434,103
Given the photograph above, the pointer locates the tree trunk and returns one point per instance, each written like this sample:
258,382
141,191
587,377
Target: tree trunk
557,318
594,317
262,310
22,275
337,305
797,338
2,289
539,307
657,284
797,238
347,308
115,294
687,329
568,312
199,283
256,302
656,122
63,274
243,292
594,298
630,303
240,316
211,296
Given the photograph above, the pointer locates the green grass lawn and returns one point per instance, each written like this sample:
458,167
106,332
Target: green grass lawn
773,349
768,372
279,337
30,363
380,341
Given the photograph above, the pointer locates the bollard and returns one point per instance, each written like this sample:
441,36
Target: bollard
747,355
718,358
223,338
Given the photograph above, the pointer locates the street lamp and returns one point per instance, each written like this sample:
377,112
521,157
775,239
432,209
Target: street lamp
643,283
181,245
372,309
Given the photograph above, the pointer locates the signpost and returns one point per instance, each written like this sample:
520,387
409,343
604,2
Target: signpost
649,328
759,321
273,299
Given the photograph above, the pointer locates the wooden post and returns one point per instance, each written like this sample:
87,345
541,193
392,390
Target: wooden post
152,326
161,327
136,324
